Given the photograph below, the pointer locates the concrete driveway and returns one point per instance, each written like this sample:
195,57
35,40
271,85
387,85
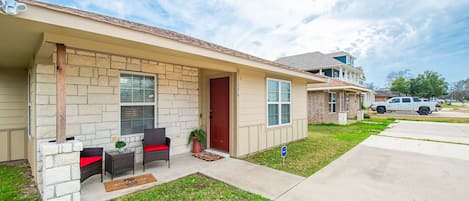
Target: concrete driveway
389,168
447,132
445,113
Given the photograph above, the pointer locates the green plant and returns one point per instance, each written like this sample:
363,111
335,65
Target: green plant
120,144
200,134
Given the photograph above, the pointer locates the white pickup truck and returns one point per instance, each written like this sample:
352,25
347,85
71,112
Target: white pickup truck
404,104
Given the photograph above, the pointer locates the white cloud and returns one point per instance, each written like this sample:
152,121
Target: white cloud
384,35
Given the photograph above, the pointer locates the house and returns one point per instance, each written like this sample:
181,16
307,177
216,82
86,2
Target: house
335,102
66,72
382,95
338,65
342,96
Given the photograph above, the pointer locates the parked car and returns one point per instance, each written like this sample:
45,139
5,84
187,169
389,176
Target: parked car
405,104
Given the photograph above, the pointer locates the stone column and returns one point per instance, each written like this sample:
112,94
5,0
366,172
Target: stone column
61,171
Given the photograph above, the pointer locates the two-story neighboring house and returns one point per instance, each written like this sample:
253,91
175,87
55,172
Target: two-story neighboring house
339,65
343,96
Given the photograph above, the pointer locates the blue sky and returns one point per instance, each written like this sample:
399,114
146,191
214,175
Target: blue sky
385,36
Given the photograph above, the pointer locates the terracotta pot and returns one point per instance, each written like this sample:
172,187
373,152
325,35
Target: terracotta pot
196,146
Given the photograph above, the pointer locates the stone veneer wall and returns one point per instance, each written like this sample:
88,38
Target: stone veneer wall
93,102
61,171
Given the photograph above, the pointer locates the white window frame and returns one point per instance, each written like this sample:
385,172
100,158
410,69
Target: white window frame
331,103
279,103
154,103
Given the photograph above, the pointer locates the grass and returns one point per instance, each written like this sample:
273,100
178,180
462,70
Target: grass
14,185
324,144
193,187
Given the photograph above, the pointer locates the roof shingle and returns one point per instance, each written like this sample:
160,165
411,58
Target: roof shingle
308,61
172,35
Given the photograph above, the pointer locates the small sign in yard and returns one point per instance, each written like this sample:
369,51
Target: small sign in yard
284,153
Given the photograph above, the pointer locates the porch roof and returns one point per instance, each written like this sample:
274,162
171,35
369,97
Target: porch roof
334,84
44,22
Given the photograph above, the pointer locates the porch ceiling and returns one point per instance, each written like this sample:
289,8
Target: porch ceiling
19,41
25,43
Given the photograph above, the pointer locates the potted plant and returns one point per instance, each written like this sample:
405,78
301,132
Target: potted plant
197,136
120,145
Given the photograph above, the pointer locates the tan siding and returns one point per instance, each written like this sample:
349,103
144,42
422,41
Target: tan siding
13,99
253,135
18,143
252,97
12,144
13,114
4,146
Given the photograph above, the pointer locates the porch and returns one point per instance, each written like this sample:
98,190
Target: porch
261,180
181,165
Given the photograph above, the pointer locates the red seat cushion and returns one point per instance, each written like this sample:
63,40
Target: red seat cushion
88,160
156,147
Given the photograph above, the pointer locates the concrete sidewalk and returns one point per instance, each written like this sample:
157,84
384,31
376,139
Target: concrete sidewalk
267,182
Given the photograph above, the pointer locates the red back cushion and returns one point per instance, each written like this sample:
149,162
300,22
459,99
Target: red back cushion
88,160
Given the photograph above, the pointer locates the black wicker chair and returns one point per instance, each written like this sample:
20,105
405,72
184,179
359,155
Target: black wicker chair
156,146
91,162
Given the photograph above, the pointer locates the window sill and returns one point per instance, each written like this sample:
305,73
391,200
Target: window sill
281,125
132,135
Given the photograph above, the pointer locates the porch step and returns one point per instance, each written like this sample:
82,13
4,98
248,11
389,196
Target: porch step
213,151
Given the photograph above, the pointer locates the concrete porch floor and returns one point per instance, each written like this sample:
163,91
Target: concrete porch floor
181,165
257,179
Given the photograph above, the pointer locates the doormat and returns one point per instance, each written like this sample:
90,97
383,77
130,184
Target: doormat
119,184
207,156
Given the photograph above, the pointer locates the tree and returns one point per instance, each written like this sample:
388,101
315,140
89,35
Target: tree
401,85
397,74
460,90
370,85
429,84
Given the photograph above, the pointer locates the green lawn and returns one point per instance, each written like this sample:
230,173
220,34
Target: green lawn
14,185
193,187
325,143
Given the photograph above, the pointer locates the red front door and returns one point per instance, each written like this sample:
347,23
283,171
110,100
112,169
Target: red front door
220,114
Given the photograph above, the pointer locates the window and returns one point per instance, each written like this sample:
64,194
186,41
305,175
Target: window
278,102
347,102
406,100
395,100
137,96
416,99
332,101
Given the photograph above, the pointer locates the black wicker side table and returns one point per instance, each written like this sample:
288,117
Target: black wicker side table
117,163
